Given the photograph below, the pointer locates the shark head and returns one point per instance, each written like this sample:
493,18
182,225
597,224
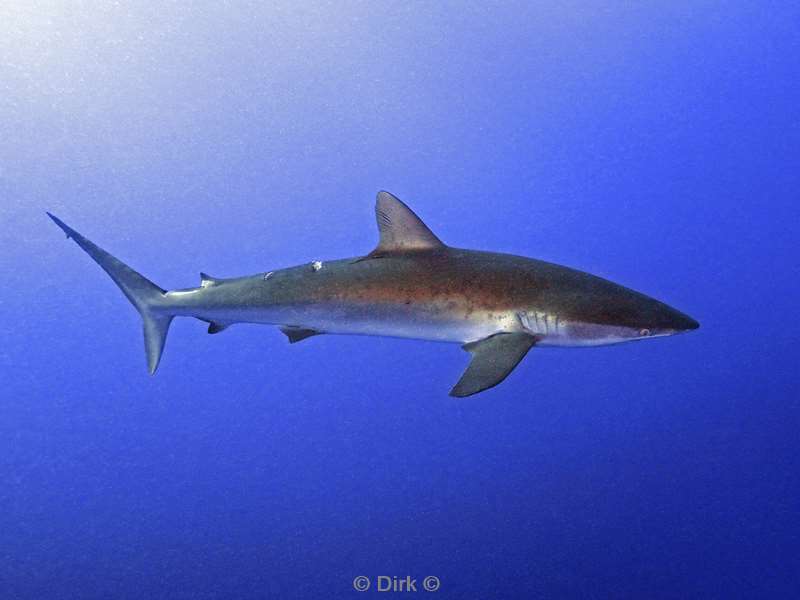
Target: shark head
659,319
628,315
607,313
646,317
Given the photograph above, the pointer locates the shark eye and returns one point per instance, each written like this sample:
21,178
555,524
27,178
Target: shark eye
644,333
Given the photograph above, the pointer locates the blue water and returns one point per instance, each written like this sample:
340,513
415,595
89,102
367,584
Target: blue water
656,145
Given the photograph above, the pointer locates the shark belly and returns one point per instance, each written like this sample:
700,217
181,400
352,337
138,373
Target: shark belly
401,321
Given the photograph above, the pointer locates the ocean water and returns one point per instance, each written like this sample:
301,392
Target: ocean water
655,145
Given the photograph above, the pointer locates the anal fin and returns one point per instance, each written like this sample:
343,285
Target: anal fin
493,359
215,326
298,334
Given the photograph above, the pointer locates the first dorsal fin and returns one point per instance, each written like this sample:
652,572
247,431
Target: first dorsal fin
400,229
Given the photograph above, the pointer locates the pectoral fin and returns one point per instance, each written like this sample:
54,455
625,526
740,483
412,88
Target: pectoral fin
493,359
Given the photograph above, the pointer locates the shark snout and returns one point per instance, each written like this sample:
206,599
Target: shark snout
691,324
683,322
677,322
658,318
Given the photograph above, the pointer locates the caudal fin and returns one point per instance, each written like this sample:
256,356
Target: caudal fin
148,298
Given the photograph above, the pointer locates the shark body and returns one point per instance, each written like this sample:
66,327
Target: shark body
414,286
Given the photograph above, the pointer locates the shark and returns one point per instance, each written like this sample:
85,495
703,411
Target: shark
412,285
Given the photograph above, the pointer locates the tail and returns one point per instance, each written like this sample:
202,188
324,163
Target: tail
147,297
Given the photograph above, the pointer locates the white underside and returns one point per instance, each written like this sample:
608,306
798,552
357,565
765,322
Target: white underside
415,325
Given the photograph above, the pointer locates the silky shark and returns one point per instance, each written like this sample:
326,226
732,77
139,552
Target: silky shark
412,286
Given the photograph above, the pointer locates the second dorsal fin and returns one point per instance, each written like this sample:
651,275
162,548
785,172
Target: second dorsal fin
207,280
400,229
